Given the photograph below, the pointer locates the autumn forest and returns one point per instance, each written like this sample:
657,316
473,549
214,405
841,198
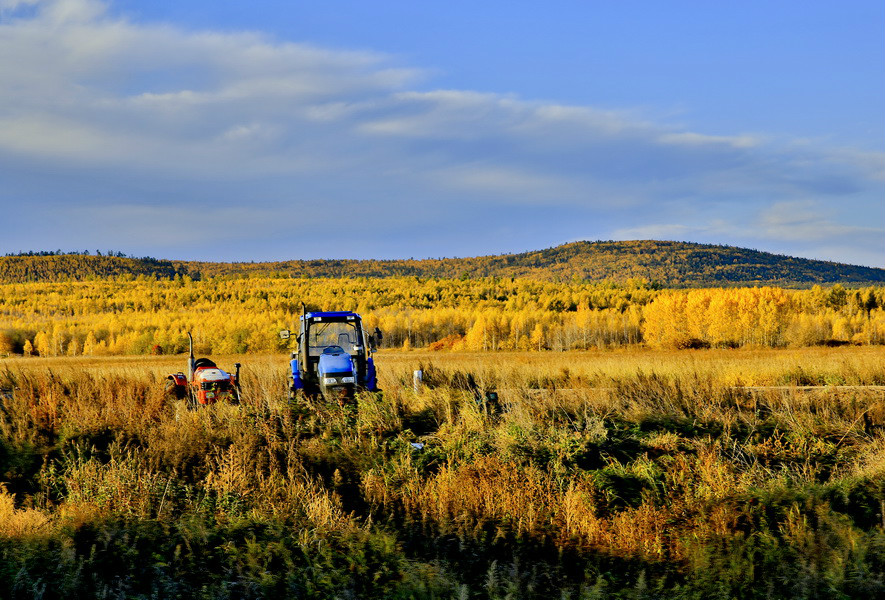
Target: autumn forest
145,315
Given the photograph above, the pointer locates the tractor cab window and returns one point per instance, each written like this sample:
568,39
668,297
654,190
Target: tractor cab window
325,335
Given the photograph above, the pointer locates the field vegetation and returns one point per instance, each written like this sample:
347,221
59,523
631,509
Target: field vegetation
571,440
615,473
146,315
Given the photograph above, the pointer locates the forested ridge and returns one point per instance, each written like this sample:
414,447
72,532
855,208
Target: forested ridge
74,266
667,264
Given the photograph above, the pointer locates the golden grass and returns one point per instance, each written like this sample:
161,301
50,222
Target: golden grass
764,366
853,365
20,522
634,455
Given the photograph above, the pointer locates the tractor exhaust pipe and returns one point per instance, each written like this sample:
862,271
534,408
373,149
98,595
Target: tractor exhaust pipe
304,344
190,361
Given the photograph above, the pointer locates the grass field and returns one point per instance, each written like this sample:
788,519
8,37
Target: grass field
601,474
861,365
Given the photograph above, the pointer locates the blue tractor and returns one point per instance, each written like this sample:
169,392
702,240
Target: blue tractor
334,356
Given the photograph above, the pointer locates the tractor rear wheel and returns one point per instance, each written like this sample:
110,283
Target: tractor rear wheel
173,390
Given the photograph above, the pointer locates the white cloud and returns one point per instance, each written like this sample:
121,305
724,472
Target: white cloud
162,227
803,220
167,116
515,184
9,5
697,139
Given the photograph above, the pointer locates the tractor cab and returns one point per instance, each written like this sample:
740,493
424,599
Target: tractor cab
334,357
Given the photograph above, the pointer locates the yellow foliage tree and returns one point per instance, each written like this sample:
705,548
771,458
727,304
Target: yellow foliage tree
6,343
42,344
538,339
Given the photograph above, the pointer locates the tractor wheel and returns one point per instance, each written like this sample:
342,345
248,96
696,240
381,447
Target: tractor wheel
174,390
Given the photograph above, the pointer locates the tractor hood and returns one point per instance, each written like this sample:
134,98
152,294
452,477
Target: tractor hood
335,362
211,375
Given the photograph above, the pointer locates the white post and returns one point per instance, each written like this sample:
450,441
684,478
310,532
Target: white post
417,380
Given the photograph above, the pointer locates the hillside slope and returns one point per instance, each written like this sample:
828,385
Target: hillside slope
671,264
79,267
677,264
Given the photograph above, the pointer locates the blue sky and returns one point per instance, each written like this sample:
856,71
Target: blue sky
275,130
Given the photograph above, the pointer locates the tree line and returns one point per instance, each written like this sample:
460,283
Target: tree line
142,315
669,264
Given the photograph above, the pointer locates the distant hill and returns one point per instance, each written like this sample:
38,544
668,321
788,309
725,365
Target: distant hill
79,267
670,264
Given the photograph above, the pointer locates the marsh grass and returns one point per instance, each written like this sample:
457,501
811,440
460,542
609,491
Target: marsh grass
597,475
